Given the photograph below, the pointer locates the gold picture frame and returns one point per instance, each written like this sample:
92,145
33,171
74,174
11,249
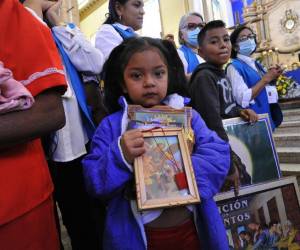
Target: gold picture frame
162,115
164,174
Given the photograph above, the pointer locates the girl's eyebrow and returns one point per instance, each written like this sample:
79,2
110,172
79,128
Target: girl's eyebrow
141,68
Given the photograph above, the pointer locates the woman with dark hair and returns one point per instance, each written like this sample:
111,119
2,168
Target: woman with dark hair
188,30
124,18
250,82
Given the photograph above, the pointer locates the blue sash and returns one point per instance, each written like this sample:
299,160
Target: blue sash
261,105
125,34
190,57
77,85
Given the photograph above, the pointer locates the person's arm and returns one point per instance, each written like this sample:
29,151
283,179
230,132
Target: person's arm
94,99
107,38
240,90
210,158
84,56
105,169
205,99
45,116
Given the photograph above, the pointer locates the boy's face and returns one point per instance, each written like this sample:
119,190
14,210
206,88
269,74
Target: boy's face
216,46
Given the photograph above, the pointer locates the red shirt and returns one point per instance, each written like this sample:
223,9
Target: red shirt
26,48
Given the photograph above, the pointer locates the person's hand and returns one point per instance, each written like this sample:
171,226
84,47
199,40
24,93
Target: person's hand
52,13
234,180
45,5
273,73
170,38
248,115
132,144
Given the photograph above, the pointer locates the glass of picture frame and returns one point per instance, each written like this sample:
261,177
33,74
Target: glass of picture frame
164,174
254,149
247,216
163,116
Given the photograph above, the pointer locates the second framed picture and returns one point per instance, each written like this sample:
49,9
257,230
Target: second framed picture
254,150
164,174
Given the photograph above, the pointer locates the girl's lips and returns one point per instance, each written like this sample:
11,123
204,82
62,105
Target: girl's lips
224,54
151,94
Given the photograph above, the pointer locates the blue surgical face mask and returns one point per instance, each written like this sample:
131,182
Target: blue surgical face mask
247,47
192,37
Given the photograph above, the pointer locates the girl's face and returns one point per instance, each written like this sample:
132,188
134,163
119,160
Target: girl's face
131,13
146,78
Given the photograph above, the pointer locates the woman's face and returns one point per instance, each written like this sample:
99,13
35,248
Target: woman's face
131,13
244,35
192,23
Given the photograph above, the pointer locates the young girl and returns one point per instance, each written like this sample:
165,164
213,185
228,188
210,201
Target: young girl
148,72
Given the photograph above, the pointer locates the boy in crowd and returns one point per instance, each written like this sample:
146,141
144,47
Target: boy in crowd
211,92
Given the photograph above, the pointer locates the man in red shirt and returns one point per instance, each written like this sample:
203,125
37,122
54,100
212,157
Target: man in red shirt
26,206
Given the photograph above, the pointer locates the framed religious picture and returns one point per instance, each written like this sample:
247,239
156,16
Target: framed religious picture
163,116
253,148
164,174
263,216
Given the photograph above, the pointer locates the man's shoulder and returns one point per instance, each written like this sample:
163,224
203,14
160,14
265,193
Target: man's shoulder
204,73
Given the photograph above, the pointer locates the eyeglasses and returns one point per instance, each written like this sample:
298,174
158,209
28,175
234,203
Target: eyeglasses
245,38
192,26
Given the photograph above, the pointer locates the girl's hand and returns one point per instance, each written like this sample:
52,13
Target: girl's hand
272,74
249,115
132,144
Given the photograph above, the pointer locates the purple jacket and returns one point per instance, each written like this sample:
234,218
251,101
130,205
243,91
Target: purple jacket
106,175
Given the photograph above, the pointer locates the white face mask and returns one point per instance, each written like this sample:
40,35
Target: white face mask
247,47
192,37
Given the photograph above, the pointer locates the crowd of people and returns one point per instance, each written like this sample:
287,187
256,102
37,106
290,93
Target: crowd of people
65,140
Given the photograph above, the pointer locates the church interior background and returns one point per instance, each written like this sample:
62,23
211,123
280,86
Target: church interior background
276,22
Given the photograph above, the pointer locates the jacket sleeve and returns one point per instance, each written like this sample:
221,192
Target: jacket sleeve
84,56
210,158
205,100
105,169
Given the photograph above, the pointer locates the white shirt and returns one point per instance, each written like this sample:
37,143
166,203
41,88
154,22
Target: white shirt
71,139
241,93
184,61
83,55
107,38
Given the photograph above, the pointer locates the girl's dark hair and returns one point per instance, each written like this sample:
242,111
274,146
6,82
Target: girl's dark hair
234,36
112,15
119,58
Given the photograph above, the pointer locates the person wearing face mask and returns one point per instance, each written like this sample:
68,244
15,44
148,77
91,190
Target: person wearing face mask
124,18
189,28
251,83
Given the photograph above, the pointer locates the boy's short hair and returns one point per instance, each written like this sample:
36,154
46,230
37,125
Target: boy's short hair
209,26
